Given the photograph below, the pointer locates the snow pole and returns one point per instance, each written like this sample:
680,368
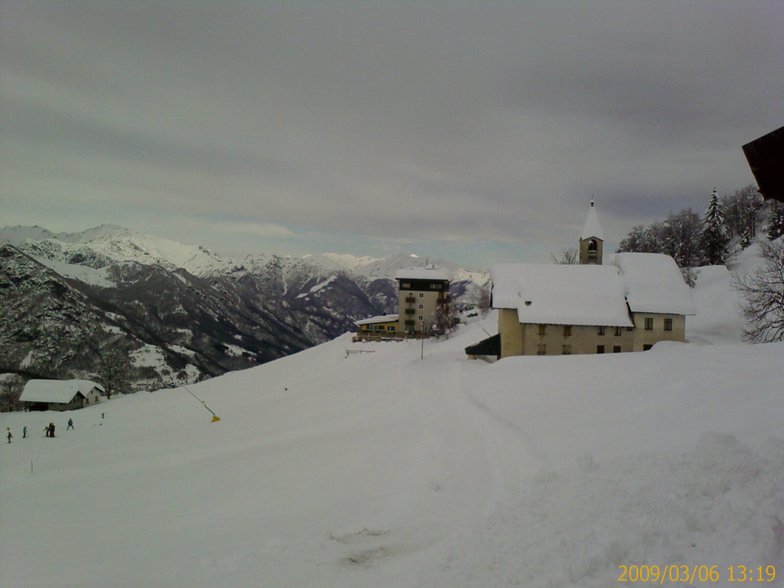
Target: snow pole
215,417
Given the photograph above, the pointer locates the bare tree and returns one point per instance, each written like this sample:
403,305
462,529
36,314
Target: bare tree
678,236
741,213
483,300
114,372
567,257
763,291
444,320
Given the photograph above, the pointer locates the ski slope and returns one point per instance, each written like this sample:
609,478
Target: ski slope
384,469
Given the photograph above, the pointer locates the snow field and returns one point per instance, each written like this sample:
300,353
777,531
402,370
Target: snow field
384,469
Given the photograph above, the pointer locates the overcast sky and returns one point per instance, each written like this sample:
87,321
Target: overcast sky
477,131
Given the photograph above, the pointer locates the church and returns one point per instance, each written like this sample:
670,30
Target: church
627,304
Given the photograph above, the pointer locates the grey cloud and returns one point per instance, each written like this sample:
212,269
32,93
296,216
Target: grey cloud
389,119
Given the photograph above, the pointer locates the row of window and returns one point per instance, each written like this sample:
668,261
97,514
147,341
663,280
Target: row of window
601,331
649,324
432,286
541,349
379,328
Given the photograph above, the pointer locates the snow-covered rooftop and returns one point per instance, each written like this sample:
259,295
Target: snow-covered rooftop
592,294
384,318
561,294
60,391
592,228
422,273
653,283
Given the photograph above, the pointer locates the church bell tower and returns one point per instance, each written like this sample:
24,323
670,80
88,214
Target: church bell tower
591,239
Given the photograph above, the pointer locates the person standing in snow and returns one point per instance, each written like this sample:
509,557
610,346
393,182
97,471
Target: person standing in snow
24,432
9,434
70,425
51,429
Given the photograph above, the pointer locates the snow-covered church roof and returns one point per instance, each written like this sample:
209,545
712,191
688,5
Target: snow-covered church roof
592,294
592,228
556,294
59,391
653,283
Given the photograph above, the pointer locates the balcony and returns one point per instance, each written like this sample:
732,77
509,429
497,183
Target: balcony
410,299
410,311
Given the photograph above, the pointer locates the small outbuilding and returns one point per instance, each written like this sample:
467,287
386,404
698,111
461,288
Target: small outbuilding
60,394
377,328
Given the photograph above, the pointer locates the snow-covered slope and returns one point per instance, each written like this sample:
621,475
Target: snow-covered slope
379,468
105,244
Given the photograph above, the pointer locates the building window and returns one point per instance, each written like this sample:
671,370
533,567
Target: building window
646,347
648,323
616,348
421,306
668,324
601,332
541,349
435,286
600,349
405,284
567,349
618,331
567,330
421,294
421,318
542,330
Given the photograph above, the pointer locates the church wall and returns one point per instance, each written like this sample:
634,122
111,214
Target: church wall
657,333
511,332
581,340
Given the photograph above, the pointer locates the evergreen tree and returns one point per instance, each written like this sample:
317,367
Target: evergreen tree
714,232
776,222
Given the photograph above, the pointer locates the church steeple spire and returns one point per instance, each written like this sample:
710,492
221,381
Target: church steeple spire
591,238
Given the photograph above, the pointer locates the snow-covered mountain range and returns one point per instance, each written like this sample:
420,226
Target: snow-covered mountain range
180,311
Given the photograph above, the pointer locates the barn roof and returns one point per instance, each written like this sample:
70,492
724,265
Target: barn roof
56,391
